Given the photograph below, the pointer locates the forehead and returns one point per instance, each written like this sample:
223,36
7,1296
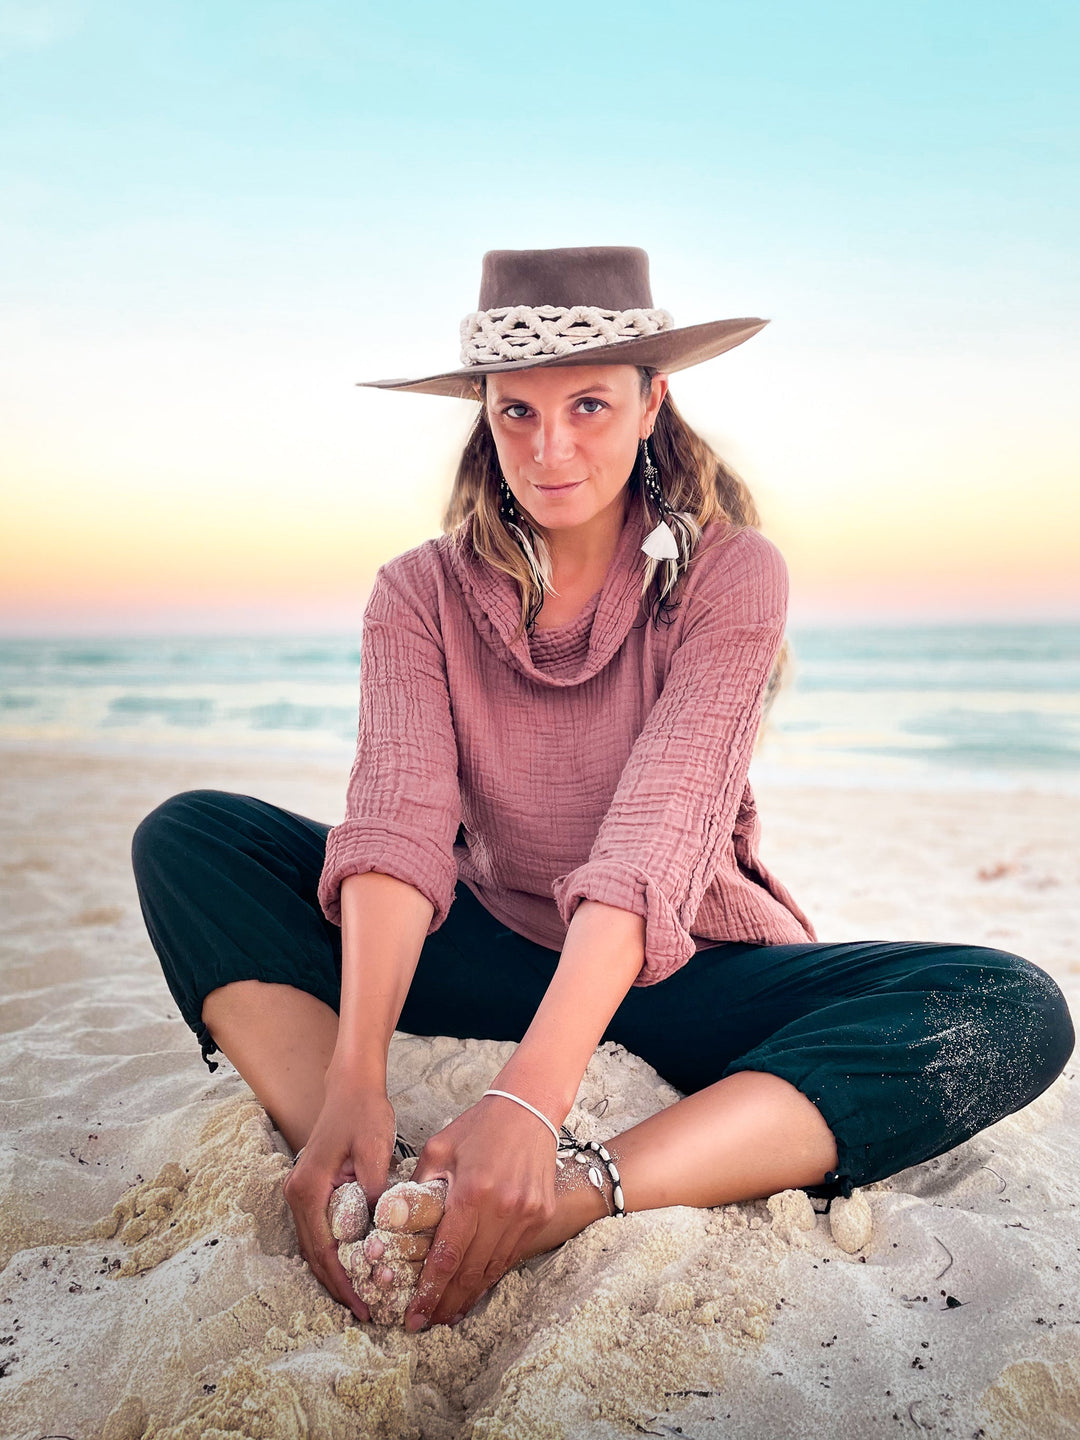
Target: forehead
553,384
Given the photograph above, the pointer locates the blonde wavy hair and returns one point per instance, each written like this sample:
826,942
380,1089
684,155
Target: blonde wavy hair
697,484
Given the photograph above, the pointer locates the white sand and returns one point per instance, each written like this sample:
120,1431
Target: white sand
153,1285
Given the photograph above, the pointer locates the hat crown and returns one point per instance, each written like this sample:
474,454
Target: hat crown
609,277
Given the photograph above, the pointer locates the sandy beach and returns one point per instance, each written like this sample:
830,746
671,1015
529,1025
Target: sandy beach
153,1285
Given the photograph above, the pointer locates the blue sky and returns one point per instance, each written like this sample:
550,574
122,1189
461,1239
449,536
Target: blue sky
206,153
193,188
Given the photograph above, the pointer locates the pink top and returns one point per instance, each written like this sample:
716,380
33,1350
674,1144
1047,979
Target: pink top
605,759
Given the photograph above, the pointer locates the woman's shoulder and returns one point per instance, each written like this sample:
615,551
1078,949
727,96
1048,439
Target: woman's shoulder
418,572
730,557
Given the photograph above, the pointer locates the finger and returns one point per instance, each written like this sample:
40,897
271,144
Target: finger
459,1296
338,1280
373,1176
396,1245
317,1244
328,1270
475,1278
412,1206
449,1247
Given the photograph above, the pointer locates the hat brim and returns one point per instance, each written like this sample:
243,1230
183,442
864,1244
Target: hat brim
667,351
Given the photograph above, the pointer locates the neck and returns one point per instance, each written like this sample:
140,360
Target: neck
583,552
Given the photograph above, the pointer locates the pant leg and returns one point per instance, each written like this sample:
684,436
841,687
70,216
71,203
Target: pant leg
227,886
906,1049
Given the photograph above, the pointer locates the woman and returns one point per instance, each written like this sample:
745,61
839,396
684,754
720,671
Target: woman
550,838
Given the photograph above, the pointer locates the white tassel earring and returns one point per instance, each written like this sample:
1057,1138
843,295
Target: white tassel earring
659,544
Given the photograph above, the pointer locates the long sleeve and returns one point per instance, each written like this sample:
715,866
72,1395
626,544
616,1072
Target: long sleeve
673,812
403,801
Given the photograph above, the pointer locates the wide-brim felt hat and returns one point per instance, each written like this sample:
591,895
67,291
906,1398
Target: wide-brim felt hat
587,306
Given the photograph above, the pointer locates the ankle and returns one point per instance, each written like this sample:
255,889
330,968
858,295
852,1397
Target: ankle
594,1166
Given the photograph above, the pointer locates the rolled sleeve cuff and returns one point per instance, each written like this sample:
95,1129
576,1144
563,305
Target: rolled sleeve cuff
668,944
357,846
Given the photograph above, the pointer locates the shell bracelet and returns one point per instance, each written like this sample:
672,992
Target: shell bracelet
581,1151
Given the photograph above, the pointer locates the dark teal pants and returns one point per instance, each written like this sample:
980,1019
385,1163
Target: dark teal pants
906,1049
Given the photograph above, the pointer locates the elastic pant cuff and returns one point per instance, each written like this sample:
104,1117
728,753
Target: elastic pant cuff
207,1045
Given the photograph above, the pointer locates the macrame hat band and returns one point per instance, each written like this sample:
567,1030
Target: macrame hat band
586,306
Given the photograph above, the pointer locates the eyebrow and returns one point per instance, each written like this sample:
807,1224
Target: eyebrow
577,395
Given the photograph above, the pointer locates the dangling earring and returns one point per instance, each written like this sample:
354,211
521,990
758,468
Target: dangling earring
506,501
659,544
515,522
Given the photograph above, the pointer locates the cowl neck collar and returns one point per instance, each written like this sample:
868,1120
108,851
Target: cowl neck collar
494,603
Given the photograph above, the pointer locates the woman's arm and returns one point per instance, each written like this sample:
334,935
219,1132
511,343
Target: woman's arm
499,1158
383,924
600,960
671,821
402,803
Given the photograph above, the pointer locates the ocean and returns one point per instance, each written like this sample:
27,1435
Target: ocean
983,706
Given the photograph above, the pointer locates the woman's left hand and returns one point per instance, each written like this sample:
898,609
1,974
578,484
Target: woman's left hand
500,1164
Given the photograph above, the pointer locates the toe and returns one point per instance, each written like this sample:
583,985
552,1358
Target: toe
353,1260
411,1207
396,1245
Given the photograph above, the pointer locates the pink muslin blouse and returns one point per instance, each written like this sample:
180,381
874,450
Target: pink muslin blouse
605,759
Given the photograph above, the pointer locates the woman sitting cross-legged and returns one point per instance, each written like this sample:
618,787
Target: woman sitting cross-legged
550,838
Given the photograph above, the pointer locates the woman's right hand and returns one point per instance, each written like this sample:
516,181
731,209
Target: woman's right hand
353,1139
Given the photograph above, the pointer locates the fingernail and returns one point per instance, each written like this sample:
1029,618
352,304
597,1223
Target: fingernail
374,1249
416,1322
397,1213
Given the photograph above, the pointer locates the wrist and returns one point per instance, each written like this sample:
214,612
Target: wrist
552,1100
527,1108
356,1073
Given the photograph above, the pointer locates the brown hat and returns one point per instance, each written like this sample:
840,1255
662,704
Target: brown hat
586,306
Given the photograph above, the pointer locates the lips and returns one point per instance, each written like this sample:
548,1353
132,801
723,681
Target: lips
557,489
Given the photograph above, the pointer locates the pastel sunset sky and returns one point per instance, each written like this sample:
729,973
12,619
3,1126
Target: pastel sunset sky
217,215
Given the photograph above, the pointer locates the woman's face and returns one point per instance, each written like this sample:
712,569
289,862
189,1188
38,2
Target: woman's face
567,438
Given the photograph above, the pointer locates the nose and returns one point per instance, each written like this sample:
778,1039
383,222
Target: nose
554,444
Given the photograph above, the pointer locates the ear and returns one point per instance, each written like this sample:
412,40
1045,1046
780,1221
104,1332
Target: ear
656,399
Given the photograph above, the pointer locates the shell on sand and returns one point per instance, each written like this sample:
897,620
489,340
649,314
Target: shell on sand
851,1222
791,1212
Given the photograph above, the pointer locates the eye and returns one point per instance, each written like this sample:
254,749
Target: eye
509,412
598,403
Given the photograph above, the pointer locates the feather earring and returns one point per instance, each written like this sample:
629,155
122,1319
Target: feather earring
659,544
539,565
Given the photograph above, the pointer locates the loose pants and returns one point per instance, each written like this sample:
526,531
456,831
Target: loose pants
907,1049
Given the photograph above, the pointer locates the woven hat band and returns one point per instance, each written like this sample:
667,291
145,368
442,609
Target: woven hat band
524,332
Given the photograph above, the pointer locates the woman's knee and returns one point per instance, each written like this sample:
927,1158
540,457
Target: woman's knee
181,815
1030,1013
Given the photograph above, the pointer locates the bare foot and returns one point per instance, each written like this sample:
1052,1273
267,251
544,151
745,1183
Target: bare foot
385,1263
385,1258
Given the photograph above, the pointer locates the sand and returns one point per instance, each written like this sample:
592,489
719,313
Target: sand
152,1283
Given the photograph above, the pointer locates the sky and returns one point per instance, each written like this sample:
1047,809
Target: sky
216,218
